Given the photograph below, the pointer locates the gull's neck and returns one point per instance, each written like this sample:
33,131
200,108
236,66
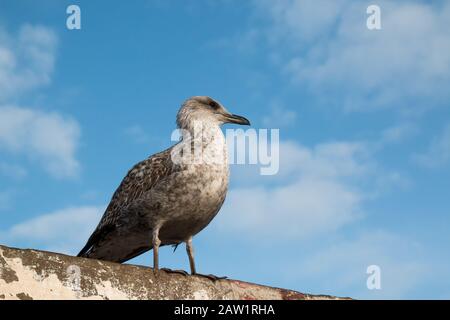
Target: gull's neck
206,137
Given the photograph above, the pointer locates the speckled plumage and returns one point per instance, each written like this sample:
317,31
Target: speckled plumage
165,197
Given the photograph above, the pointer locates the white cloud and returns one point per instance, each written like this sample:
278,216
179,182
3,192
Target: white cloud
137,134
398,133
300,20
326,160
279,116
47,137
302,209
438,153
343,265
317,190
325,46
26,60
64,230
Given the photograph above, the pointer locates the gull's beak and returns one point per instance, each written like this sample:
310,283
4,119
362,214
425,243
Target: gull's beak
234,118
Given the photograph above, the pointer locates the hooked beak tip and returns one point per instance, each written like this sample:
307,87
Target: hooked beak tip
234,118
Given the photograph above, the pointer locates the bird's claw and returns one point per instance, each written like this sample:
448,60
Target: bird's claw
211,276
184,273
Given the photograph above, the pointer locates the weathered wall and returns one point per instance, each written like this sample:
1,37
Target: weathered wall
32,274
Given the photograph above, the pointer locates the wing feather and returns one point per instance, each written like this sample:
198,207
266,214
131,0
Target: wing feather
139,179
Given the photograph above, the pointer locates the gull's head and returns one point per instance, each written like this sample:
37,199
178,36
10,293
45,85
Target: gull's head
206,109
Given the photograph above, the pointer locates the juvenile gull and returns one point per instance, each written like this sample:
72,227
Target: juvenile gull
172,195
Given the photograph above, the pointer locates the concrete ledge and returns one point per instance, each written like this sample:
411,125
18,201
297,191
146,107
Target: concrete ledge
32,274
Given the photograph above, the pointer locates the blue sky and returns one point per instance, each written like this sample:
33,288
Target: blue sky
364,121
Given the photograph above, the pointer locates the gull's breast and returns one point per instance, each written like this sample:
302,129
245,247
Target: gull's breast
194,201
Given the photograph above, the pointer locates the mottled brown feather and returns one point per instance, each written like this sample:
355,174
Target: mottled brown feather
139,179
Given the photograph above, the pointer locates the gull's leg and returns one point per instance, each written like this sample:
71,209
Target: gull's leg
190,252
156,242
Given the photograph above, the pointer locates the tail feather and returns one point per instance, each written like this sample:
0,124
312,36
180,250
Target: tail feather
85,250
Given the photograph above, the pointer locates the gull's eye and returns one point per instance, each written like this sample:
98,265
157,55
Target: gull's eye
214,105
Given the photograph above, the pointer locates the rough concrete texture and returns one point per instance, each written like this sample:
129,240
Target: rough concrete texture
32,274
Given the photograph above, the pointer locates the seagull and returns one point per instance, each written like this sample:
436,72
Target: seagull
172,195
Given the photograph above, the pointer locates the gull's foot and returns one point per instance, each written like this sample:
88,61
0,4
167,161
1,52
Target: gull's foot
156,273
184,273
210,276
